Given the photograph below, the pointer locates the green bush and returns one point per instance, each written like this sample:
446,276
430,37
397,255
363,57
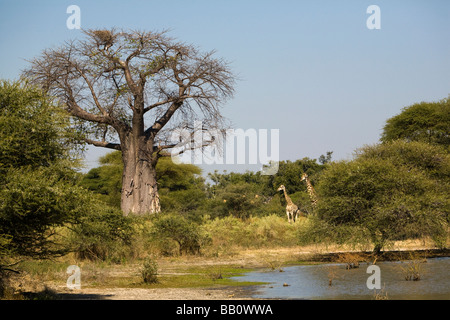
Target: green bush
102,233
184,201
173,229
149,270
34,131
34,204
319,231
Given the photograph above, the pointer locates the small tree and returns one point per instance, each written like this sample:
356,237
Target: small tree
129,90
149,270
183,232
387,201
37,184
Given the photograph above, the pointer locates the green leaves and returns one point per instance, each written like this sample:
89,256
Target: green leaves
34,202
106,180
38,191
394,191
180,186
433,160
176,228
101,233
33,131
426,122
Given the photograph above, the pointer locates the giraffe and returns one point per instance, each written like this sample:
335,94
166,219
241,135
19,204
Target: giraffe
292,210
311,191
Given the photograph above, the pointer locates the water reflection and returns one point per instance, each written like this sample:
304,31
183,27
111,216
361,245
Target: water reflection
313,282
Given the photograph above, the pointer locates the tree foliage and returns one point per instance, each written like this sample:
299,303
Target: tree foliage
184,233
433,160
34,132
426,122
394,190
39,190
389,192
183,190
102,233
106,180
34,204
181,185
37,186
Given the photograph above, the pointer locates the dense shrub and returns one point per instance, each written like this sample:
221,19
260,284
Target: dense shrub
432,160
34,204
102,233
173,231
149,270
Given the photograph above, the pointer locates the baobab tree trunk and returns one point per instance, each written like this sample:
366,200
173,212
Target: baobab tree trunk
139,188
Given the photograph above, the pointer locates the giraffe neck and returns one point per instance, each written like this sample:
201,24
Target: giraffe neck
288,199
311,191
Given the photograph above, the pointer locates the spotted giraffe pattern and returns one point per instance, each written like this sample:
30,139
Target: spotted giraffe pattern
311,191
292,210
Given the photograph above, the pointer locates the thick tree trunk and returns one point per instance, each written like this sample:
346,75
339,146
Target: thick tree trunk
139,189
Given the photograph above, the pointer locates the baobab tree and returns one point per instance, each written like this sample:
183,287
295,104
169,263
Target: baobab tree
127,90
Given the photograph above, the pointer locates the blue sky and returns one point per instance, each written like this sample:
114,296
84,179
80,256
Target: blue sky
309,68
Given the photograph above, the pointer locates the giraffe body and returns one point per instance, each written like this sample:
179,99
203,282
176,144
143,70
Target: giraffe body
311,191
292,210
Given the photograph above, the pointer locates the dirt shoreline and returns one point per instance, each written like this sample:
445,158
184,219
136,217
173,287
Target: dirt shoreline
227,293
248,259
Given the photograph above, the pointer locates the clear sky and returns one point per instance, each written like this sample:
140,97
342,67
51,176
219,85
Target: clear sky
309,68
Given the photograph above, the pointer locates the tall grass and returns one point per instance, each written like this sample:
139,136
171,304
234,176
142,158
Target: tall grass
255,232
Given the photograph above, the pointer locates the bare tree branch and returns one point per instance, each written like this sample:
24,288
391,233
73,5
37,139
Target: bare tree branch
104,144
142,85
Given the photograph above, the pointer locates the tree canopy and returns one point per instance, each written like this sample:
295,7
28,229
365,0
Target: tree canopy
392,191
426,121
34,131
129,91
397,189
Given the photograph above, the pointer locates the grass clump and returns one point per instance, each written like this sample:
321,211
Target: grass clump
412,269
149,271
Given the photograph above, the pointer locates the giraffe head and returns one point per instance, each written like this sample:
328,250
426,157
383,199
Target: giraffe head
304,176
282,187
